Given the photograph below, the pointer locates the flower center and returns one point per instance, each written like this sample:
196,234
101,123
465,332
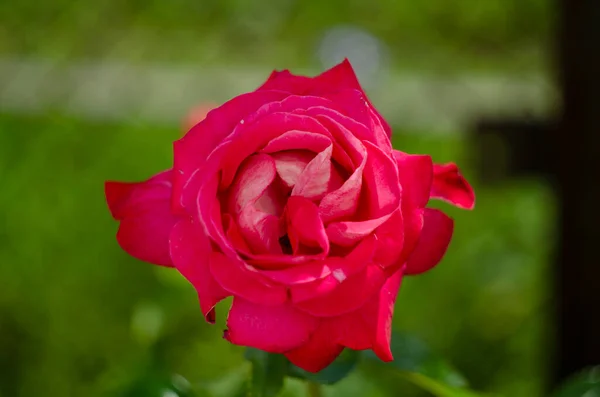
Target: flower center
286,245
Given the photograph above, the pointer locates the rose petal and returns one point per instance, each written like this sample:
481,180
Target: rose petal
433,242
335,271
416,174
349,330
310,272
342,129
390,240
303,222
243,281
449,185
291,104
191,252
273,200
349,233
344,201
294,140
413,225
318,178
275,329
283,261
261,231
382,188
290,165
250,137
377,316
342,76
357,107
208,214
320,287
315,355
338,78
191,151
255,175
286,81
145,214
366,328
234,235
349,295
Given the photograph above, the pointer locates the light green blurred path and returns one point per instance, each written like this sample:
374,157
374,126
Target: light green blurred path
113,90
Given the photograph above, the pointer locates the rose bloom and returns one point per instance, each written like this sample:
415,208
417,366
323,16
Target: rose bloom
291,199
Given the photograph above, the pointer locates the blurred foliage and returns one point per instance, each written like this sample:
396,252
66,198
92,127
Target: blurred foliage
335,372
412,356
78,317
268,373
266,32
583,384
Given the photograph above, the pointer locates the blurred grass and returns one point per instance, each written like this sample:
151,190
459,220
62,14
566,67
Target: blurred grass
78,317
496,34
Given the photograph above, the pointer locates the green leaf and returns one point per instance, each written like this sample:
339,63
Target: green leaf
335,372
419,365
586,383
268,372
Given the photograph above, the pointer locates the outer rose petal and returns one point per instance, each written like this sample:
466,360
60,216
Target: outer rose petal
342,76
251,137
349,330
369,327
343,130
191,251
413,224
275,329
377,316
356,105
339,77
335,271
432,245
320,351
390,240
294,140
416,174
288,82
349,295
380,178
191,151
245,282
234,235
449,185
146,220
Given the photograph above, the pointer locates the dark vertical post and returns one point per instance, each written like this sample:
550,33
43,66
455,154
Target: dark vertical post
577,145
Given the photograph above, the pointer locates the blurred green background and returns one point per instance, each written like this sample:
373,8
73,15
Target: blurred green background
91,91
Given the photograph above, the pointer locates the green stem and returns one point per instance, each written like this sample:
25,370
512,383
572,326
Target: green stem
314,390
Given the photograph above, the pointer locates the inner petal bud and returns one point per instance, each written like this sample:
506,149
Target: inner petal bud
305,230
319,177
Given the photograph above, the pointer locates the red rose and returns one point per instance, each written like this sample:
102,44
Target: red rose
291,199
